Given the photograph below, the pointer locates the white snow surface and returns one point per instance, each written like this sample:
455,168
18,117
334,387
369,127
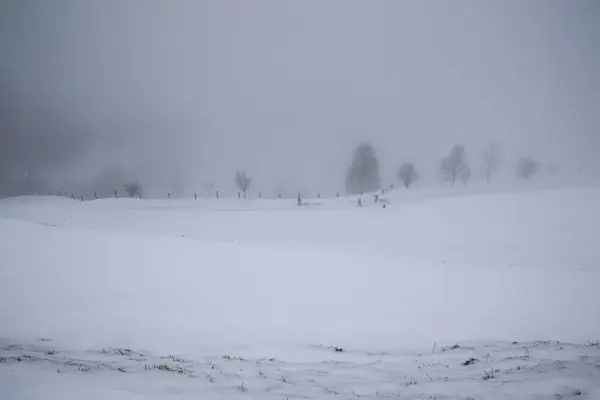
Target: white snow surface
219,299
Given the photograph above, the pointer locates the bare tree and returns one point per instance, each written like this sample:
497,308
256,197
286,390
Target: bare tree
407,174
491,157
243,181
133,189
455,164
209,186
466,174
363,174
527,167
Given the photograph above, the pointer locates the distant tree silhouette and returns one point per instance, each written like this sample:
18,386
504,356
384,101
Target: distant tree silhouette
243,181
209,186
466,174
527,167
133,189
407,174
455,164
491,157
363,173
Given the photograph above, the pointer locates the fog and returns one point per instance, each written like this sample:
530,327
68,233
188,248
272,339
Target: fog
177,94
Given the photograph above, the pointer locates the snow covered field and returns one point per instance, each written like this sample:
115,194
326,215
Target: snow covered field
209,299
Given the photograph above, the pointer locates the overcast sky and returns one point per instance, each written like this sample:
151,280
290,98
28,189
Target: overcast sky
181,92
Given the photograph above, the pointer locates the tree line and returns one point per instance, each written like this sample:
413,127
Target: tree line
363,176
363,173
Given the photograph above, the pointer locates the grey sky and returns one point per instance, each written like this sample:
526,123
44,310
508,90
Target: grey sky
193,90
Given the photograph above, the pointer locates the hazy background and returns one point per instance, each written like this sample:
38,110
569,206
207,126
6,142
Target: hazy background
178,93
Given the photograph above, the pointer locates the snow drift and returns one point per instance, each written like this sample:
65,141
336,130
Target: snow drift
206,278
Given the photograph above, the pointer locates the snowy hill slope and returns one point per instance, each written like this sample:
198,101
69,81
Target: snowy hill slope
263,278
